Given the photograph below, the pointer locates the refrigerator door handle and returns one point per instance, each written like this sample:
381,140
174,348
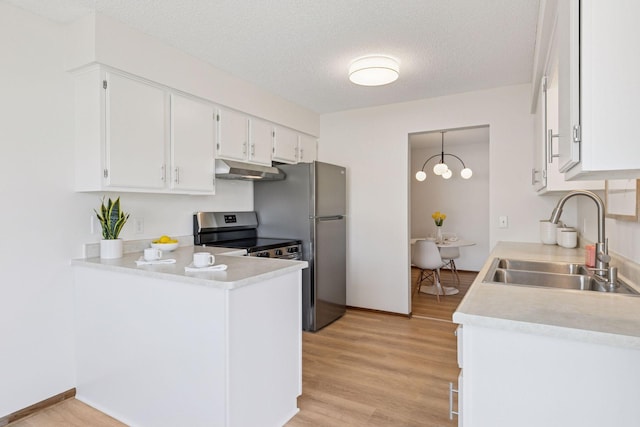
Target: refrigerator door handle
328,218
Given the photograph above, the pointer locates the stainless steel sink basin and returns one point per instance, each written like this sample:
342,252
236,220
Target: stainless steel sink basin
545,267
550,275
536,278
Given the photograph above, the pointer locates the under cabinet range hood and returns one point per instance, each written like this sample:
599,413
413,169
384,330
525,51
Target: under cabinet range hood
229,169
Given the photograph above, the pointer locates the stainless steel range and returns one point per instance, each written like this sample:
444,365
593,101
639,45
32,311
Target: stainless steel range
239,230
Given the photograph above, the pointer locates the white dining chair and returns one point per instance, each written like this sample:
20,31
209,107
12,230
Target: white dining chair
426,257
449,255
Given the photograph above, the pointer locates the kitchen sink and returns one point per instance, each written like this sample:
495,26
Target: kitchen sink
541,266
550,275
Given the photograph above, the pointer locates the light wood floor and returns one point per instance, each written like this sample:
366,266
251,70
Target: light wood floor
366,369
425,305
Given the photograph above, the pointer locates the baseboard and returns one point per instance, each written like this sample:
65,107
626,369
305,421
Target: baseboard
377,311
36,407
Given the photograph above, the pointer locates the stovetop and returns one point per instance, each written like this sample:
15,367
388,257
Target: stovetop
255,243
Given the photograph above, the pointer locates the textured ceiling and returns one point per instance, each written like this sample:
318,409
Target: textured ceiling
301,49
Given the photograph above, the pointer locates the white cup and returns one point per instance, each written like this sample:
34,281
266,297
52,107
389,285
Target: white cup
152,254
559,231
569,239
203,259
548,232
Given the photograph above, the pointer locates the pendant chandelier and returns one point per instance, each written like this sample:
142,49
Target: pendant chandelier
441,167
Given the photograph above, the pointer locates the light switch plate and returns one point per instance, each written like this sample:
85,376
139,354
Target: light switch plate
139,225
503,221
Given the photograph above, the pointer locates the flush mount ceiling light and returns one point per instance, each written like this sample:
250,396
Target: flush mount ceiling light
441,167
374,70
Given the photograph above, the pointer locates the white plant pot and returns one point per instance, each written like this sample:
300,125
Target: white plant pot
110,249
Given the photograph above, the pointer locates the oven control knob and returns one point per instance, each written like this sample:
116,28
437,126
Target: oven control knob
263,254
292,249
278,252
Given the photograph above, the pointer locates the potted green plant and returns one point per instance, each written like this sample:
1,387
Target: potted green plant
112,219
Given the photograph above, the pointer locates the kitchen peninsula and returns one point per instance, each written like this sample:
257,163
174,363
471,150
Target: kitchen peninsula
158,346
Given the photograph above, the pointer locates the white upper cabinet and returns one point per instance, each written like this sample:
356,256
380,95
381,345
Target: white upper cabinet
567,44
546,176
292,147
232,135
599,106
307,149
133,135
285,145
260,142
242,138
539,169
192,145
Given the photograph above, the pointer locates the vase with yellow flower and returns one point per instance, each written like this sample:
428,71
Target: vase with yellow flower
439,218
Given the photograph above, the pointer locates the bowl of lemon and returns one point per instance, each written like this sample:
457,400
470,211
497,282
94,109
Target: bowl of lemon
165,243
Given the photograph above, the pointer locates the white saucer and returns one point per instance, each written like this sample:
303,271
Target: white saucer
142,261
216,267
197,267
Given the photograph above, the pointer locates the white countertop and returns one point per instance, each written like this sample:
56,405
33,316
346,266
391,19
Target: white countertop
610,319
241,270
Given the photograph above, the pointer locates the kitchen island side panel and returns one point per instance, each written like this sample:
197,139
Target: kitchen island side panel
265,342
153,352
149,351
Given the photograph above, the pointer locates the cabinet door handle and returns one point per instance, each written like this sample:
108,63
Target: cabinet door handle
176,175
163,174
550,136
451,391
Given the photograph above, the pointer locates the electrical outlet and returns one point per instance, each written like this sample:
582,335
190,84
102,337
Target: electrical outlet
503,222
139,225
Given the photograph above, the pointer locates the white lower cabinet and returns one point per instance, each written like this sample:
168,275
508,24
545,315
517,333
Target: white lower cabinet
516,378
460,410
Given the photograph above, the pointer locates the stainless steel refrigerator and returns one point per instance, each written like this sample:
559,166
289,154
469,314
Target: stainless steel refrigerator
309,205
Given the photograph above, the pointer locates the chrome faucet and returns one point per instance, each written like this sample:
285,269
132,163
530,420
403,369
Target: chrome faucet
602,247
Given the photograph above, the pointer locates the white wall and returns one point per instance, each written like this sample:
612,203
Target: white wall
44,223
372,144
465,202
624,236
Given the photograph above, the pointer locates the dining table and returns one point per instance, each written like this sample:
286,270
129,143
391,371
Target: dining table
446,243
